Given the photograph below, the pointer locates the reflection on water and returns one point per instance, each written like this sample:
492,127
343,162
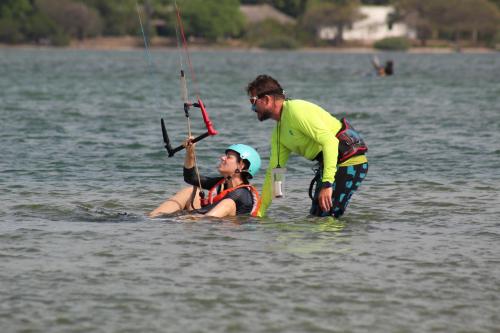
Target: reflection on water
317,236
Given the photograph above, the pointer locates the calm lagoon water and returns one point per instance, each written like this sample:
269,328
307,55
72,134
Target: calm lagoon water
82,162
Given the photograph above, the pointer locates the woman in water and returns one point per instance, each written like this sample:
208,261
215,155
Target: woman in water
229,194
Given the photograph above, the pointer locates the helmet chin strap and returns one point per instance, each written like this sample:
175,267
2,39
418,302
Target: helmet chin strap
235,172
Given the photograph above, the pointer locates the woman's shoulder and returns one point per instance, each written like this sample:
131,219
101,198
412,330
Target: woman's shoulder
242,191
241,195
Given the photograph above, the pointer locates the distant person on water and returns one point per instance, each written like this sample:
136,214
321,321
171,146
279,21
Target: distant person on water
386,70
308,130
229,194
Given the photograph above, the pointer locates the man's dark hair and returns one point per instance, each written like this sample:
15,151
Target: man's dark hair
389,67
265,85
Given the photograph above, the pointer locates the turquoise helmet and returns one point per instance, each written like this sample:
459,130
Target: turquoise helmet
249,154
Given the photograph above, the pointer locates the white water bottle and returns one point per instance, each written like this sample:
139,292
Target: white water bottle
278,177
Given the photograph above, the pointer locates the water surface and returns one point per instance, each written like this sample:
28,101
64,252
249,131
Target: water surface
82,162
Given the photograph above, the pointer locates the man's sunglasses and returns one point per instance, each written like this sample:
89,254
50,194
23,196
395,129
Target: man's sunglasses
253,99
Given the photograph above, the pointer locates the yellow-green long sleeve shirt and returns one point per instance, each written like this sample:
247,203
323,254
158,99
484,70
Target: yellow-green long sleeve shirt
305,129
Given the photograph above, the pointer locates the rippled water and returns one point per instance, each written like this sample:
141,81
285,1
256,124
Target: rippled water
82,162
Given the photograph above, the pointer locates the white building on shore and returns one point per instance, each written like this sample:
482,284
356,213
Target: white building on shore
374,26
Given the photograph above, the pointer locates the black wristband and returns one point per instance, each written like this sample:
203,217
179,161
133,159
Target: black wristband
326,185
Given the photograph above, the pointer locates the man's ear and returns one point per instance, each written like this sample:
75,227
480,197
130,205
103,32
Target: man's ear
267,98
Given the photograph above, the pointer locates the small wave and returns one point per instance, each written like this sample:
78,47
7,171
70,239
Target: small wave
104,212
107,212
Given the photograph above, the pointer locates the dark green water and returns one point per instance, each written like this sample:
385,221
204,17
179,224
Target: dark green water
81,162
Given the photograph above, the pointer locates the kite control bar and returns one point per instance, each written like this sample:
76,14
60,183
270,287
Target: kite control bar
210,129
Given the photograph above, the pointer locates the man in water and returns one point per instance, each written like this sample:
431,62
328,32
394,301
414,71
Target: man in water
310,131
381,70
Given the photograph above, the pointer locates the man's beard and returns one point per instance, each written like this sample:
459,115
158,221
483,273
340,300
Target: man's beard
264,115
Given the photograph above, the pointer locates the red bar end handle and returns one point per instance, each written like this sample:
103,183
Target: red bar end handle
210,128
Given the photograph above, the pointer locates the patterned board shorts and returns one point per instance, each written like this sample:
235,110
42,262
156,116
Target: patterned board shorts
347,181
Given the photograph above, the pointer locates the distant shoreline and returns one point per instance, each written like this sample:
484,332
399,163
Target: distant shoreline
128,43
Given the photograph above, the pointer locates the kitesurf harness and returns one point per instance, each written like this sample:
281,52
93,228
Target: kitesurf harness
214,197
350,142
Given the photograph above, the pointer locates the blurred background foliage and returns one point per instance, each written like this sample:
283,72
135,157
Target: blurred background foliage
57,22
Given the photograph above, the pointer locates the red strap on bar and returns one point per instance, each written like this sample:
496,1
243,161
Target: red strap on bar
210,128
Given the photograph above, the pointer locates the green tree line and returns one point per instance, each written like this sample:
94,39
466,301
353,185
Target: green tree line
451,19
56,22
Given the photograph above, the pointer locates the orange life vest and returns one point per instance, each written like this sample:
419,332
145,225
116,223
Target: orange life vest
214,197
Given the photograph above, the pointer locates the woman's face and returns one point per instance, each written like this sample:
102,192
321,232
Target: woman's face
229,163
